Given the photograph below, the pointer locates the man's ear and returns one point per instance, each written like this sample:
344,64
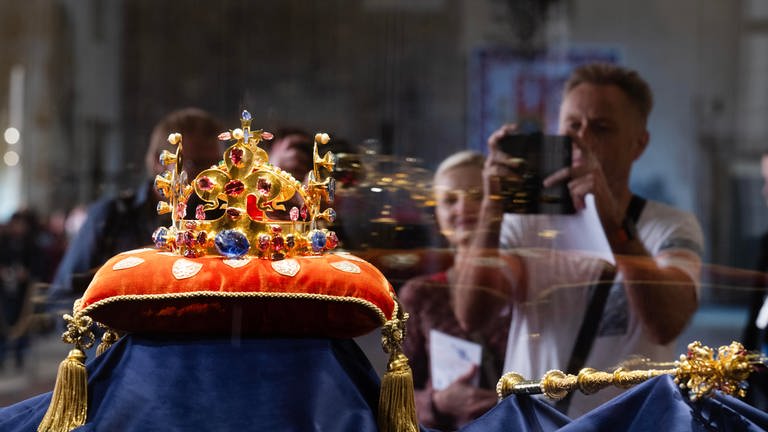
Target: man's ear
641,144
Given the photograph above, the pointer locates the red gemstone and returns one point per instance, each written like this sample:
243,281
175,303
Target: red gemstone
205,183
267,135
202,237
276,229
264,242
278,243
304,212
234,188
185,238
200,212
236,156
233,213
264,186
331,240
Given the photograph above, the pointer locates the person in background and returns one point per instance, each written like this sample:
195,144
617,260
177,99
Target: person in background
657,248
23,262
54,243
125,222
291,150
428,299
755,337
75,219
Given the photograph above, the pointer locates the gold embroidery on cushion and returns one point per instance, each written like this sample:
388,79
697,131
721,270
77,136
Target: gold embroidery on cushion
237,263
286,267
127,263
183,268
346,266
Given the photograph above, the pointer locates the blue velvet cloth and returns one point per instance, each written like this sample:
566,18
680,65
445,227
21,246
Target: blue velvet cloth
658,405
144,384
519,413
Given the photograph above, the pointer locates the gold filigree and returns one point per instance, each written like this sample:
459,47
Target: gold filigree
702,372
78,332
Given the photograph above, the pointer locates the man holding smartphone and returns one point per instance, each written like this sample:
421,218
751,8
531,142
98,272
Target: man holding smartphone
559,320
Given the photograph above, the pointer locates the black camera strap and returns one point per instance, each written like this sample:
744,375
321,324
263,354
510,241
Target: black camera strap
594,312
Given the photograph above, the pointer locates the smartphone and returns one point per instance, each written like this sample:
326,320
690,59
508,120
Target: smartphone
538,156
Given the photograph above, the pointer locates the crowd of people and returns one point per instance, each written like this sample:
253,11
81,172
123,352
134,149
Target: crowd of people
514,298
32,250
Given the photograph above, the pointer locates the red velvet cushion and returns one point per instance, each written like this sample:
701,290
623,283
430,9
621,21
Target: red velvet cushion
334,295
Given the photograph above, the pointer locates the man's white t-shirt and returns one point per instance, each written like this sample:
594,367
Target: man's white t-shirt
545,325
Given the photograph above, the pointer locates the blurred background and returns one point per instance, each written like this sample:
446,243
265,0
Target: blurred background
404,83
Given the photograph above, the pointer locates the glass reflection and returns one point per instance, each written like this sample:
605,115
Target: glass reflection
405,84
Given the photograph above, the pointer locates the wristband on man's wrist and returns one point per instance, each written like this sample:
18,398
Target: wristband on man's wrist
625,233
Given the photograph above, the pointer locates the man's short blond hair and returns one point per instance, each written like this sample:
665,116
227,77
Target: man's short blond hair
628,80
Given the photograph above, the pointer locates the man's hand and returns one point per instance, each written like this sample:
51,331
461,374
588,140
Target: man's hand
462,400
498,165
586,176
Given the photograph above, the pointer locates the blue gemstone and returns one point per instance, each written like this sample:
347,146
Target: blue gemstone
318,240
246,115
331,215
160,237
232,243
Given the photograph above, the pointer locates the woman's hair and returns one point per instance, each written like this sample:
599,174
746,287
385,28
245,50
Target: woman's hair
462,158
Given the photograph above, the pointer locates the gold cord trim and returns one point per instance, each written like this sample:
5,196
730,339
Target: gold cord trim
212,294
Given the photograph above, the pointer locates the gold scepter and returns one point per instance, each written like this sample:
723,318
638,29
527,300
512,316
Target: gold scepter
701,371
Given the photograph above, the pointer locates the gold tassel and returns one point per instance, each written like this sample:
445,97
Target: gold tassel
397,408
70,396
107,339
69,401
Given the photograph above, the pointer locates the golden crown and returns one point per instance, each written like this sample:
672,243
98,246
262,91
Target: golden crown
250,193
